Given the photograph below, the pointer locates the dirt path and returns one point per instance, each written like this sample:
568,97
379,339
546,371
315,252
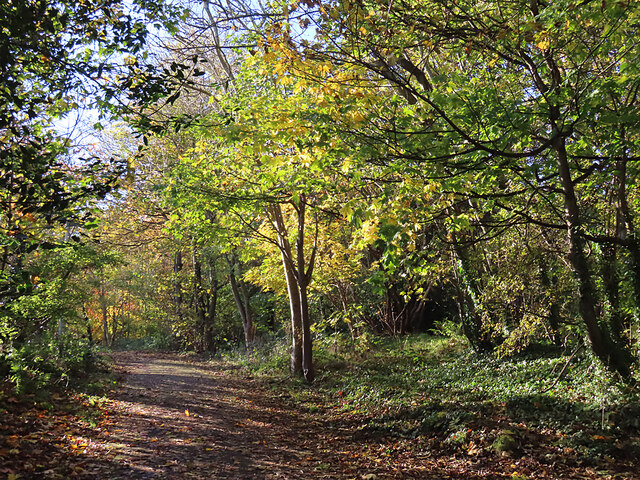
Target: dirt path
174,418
180,419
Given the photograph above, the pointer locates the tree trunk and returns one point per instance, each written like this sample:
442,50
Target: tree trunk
296,318
554,308
177,297
243,302
625,231
298,273
307,345
602,344
199,301
249,321
303,278
87,322
106,338
275,215
212,305
467,298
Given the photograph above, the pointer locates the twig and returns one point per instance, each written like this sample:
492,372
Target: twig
563,369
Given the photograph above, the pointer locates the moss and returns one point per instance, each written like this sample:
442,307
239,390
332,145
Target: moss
505,442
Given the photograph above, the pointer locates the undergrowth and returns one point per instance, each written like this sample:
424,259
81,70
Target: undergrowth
436,386
49,363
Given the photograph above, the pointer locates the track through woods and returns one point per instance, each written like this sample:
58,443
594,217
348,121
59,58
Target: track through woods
174,417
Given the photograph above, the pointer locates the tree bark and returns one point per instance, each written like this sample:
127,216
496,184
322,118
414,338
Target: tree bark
177,285
602,344
298,273
296,318
467,298
554,317
212,304
303,278
275,214
198,295
243,302
106,338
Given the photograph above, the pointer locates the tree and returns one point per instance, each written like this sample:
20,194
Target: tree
256,170
523,107
55,58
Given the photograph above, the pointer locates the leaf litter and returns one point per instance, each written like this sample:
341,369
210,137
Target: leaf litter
178,418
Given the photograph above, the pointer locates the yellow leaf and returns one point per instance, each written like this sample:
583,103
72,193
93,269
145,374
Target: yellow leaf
544,44
357,118
186,412
285,80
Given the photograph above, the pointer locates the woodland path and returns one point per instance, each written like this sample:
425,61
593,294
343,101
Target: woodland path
179,419
175,418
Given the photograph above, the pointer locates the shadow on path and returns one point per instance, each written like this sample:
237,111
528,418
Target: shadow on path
179,419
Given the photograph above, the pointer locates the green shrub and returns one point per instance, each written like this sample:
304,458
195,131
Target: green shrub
46,361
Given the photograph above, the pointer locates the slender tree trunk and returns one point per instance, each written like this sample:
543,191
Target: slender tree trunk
611,282
249,321
625,230
601,342
275,214
177,285
612,277
298,274
87,356
212,305
114,327
199,301
307,345
296,318
87,322
106,338
468,293
554,308
243,302
304,279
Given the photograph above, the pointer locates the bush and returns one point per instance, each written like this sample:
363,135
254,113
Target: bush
46,361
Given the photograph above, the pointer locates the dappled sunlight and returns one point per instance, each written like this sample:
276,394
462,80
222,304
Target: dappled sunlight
415,223
174,419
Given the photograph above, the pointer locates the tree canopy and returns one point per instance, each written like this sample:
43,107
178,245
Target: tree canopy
320,170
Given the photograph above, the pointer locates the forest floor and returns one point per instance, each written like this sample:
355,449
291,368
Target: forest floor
172,417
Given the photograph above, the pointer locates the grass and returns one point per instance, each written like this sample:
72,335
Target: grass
425,386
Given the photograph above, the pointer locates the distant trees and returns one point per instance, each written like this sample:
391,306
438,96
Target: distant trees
56,58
